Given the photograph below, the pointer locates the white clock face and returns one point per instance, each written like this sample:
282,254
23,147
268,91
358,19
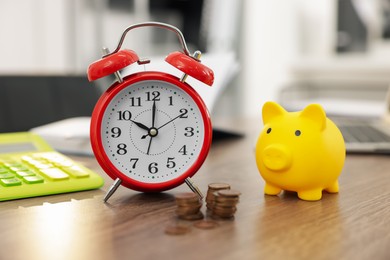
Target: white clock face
152,131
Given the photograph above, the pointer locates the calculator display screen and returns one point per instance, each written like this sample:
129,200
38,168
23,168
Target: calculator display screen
19,147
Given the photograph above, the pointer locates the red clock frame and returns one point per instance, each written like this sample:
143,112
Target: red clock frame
96,137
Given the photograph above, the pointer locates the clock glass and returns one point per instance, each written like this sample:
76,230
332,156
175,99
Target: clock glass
153,131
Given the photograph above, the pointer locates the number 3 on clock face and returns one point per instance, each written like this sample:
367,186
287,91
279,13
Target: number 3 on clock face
152,131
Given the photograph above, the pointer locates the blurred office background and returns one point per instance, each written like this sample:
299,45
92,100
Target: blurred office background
293,51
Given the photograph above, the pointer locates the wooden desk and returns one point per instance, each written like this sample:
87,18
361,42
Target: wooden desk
354,224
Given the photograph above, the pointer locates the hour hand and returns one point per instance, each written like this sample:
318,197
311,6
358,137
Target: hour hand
140,125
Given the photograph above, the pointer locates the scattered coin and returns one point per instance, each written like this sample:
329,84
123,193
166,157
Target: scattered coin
206,224
176,229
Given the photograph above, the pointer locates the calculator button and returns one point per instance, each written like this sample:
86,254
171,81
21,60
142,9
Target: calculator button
64,163
27,160
34,162
10,182
6,175
13,164
3,170
25,173
43,165
33,179
58,160
76,171
20,168
54,174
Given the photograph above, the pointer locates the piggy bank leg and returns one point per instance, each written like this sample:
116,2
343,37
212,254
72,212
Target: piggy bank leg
310,195
271,190
334,188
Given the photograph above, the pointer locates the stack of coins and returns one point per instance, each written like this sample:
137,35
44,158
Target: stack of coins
225,203
213,187
188,206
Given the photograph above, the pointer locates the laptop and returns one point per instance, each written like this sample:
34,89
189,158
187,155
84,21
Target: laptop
366,135
28,101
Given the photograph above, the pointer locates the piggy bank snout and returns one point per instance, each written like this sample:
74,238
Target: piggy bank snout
277,157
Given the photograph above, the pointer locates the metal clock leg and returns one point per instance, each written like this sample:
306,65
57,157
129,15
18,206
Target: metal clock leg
193,187
112,189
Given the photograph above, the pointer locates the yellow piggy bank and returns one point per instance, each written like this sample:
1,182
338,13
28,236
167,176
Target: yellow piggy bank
299,151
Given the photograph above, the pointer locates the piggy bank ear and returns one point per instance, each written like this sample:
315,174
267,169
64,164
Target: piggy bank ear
316,113
271,110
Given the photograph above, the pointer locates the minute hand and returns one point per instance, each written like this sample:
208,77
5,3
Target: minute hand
171,121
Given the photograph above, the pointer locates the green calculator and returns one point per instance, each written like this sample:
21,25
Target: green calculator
29,167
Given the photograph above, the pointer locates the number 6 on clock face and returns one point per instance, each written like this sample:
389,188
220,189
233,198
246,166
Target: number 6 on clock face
152,131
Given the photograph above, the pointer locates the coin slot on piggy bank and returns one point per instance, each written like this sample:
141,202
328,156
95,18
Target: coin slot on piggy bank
300,151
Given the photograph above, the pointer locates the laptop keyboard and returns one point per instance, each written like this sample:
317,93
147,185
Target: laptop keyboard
363,134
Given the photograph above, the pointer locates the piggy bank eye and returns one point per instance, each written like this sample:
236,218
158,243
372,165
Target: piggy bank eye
269,130
298,133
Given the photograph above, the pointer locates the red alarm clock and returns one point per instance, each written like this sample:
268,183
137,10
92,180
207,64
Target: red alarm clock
150,131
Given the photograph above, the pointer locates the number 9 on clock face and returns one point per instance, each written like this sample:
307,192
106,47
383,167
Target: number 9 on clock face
152,131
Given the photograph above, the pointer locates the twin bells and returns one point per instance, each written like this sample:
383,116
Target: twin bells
112,63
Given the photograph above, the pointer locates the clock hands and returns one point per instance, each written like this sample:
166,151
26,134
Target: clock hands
182,114
150,142
152,132
153,112
144,126
140,125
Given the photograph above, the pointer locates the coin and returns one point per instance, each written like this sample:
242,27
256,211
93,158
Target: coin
187,196
229,193
206,224
183,203
219,186
175,229
188,206
196,216
225,202
216,217
187,210
213,187
224,211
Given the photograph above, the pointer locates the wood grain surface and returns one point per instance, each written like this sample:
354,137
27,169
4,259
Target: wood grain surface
354,224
